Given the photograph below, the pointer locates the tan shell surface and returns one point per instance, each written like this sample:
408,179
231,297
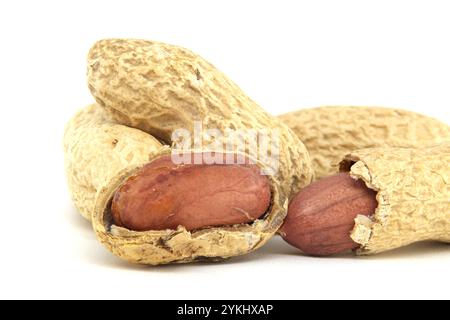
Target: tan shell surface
159,88
330,133
413,188
100,155
95,149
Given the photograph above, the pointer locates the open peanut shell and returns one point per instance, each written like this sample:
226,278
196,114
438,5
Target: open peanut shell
101,154
413,194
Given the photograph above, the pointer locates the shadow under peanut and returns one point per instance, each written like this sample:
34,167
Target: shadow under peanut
76,221
90,249
94,253
420,249
274,249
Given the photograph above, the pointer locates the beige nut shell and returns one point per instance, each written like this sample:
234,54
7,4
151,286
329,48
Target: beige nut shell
159,88
330,133
413,192
100,155
95,149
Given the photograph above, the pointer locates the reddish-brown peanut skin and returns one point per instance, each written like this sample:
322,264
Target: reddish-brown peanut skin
163,195
321,216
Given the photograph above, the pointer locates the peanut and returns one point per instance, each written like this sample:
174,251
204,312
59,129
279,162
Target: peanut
163,195
413,194
150,89
399,196
322,215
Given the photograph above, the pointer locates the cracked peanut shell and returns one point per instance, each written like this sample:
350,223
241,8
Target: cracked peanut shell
101,154
413,194
156,89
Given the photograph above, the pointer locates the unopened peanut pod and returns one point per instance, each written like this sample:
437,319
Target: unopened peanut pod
330,133
160,88
100,155
413,194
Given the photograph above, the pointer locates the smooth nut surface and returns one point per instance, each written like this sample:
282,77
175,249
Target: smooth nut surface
163,195
321,216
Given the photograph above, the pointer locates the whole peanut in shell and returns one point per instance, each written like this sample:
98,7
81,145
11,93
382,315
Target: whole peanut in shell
155,89
412,203
330,133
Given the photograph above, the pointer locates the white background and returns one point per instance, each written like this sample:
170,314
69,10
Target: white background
284,54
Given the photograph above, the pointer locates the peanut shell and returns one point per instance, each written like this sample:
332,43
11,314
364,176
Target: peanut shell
413,194
159,88
95,149
100,155
330,133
